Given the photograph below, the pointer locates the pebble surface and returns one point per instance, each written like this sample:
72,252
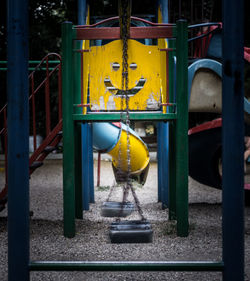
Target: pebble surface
91,242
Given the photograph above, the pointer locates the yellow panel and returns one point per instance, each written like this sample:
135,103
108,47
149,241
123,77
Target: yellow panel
145,70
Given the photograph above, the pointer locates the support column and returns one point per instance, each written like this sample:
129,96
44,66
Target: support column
18,140
81,12
182,130
77,99
85,166
91,167
172,133
172,171
78,171
88,179
233,140
159,160
68,133
165,165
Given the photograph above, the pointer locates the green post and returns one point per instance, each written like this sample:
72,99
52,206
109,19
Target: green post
78,154
182,130
78,172
172,170
172,137
68,133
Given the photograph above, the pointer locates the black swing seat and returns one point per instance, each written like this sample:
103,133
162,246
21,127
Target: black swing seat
135,231
117,209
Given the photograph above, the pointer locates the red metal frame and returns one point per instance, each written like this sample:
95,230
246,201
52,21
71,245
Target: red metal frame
113,33
52,138
206,126
154,30
132,18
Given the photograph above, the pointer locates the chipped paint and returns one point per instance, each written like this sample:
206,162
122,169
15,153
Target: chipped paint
146,76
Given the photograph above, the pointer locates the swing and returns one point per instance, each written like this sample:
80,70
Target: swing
117,209
134,231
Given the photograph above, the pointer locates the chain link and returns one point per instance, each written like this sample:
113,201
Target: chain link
120,174
128,184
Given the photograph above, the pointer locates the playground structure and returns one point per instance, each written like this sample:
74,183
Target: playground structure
150,266
205,96
109,138
204,88
42,74
155,98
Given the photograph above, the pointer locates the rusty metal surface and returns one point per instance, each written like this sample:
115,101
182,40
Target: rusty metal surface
113,33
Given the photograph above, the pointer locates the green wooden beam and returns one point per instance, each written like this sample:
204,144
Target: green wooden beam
126,266
105,117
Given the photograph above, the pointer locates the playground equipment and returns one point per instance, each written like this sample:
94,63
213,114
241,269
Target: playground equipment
205,95
152,102
117,209
131,231
232,264
44,78
111,138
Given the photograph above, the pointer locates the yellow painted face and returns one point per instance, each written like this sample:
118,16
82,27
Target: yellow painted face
144,76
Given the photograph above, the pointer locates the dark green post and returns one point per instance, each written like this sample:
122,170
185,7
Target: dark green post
172,170
78,171
182,130
172,136
77,57
68,133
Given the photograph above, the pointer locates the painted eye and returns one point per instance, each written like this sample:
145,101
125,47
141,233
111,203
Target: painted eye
133,66
115,66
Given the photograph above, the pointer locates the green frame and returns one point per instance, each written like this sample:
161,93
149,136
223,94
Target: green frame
72,116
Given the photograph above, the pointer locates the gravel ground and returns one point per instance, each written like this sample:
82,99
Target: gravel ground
91,241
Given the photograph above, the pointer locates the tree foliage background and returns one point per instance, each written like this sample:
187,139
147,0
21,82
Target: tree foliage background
46,16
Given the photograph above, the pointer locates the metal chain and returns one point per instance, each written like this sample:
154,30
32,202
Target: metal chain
128,185
137,202
125,79
121,176
110,192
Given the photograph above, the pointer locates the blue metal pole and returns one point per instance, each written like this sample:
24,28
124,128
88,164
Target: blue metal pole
159,160
85,166
233,140
78,128
91,166
87,150
164,134
164,9
165,165
81,15
18,140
